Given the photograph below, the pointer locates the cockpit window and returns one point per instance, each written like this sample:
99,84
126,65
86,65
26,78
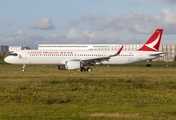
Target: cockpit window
13,54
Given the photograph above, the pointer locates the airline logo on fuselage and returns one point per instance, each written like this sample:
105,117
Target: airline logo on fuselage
19,56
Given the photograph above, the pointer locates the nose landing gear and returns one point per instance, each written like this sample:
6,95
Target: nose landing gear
23,70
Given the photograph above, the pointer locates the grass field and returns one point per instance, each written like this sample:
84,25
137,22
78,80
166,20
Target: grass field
130,92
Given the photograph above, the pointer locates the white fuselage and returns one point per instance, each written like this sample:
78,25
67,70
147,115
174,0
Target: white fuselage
44,57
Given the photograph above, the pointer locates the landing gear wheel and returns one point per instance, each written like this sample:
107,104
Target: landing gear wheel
89,69
83,69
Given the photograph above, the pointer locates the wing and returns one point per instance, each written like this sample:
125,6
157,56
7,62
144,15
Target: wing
93,61
97,61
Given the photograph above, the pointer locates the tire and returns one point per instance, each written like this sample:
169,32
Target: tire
89,69
83,69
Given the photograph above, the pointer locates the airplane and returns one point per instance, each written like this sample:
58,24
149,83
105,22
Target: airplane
66,60
78,59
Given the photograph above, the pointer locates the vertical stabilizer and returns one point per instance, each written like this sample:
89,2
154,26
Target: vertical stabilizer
153,42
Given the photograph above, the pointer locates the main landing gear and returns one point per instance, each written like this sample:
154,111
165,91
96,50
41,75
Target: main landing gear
84,69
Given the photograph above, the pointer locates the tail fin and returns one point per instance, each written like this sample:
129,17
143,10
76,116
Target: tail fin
153,42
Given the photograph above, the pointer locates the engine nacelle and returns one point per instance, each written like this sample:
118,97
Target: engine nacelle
70,65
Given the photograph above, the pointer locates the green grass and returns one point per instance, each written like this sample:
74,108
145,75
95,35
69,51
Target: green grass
130,92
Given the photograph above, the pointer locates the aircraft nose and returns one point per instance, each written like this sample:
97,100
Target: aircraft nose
6,59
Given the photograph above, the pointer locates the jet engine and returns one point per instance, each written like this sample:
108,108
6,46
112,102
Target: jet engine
70,65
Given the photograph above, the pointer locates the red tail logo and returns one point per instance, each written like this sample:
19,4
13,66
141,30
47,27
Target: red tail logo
153,42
